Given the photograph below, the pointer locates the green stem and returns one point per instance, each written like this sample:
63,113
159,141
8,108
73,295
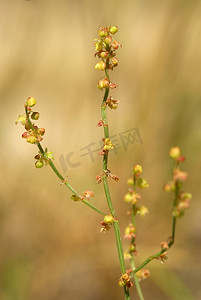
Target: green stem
50,162
137,284
107,193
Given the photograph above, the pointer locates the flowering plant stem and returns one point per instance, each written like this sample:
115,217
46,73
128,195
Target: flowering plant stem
107,192
50,162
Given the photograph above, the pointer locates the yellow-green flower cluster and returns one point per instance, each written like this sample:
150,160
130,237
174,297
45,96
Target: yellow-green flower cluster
182,199
106,46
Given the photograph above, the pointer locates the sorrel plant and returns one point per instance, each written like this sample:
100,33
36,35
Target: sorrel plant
106,47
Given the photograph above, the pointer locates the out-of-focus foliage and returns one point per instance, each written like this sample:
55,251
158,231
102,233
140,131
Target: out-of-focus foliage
50,246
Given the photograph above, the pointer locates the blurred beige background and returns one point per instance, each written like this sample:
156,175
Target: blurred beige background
50,247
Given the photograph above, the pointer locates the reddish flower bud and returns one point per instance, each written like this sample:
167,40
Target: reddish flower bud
24,135
98,179
116,45
112,85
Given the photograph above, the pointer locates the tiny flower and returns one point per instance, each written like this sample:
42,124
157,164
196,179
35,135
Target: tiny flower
98,45
24,135
108,145
132,249
112,85
21,119
101,65
124,280
137,169
168,187
113,29
41,131
114,177
101,123
142,211
142,183
142,274
104,54
131,197
103,83
112,103
130,181
49,155
105,227
30,102
127,255
31,139
108,39
163,257
35,115
130,232
98,179
180,175
39,164
174,152
88,194
116,45
115,61
108,219
102,32
75,198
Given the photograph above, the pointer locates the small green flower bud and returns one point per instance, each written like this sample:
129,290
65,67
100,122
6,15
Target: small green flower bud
142,211
130,181
174,152
137,169
142,183
108,219
113,29
108,39
31,102
35,115
75,198
100,65
31,139
39,164
168,187
186,196
102,32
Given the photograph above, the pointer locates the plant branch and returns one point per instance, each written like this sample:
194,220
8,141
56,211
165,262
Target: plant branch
50,162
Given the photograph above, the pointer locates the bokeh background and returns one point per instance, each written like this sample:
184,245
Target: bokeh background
51,247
